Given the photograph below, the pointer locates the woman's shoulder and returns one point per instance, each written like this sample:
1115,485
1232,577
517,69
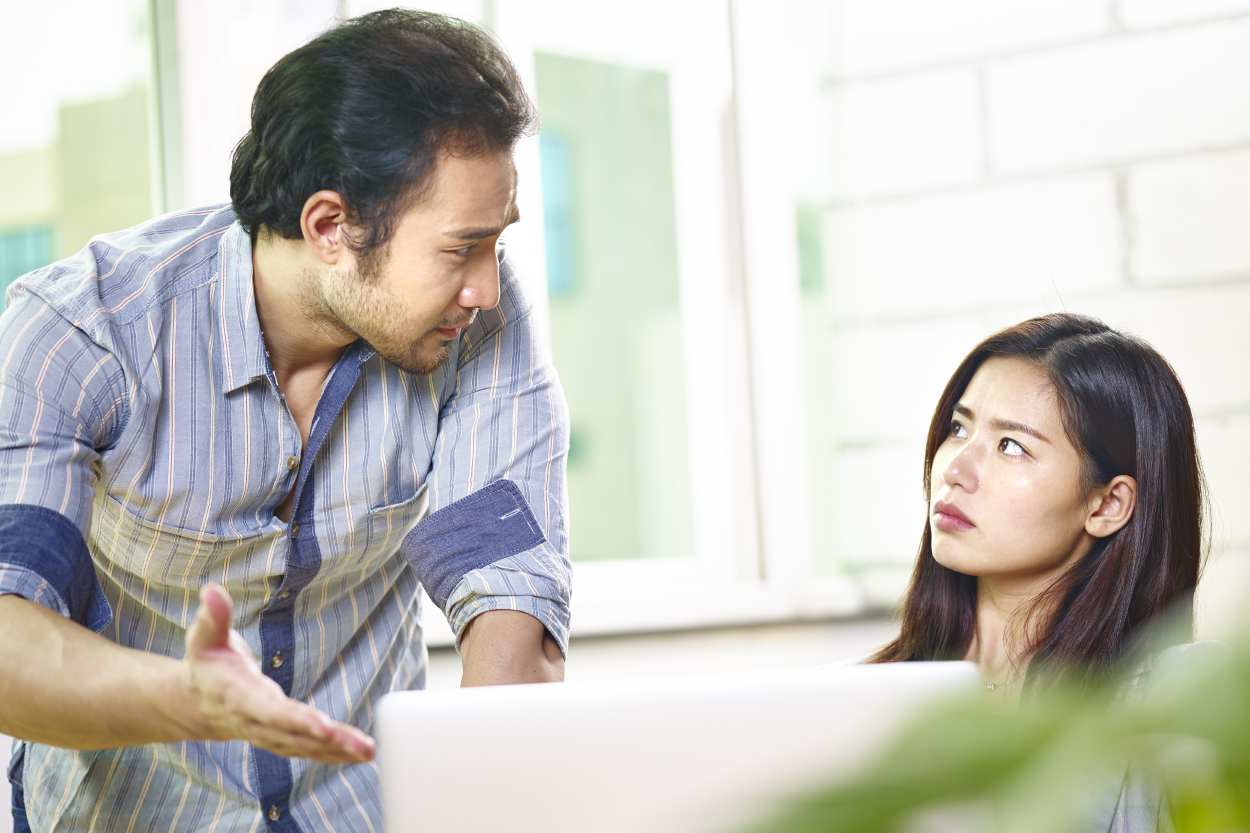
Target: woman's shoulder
1173,660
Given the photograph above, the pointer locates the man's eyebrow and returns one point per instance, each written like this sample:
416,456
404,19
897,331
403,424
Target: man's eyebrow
479,232
1004,424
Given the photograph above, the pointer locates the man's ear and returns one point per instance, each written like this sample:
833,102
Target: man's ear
1111,506
323,223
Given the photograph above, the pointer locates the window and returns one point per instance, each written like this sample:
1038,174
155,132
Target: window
659,246
614,302
23,250
672,283
74,145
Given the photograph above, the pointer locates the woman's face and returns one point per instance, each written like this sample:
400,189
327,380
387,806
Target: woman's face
1006,500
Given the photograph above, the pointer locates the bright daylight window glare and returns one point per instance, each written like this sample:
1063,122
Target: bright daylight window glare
758,237
746,320
635,248
74,145
613,293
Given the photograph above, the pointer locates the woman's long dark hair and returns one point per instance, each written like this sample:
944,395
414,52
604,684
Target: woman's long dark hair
1125,411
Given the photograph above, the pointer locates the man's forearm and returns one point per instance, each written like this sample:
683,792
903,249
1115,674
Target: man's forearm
66,686
502,647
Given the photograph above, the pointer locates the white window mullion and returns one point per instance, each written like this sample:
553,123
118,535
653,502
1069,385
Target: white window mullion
771,271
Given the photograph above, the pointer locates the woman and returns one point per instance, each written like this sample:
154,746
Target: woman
1065,509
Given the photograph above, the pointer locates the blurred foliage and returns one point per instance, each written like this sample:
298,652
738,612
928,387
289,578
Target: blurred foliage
1177,735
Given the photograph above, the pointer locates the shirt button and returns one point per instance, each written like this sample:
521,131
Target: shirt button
284,595
274,814
277,660
292,463
294,530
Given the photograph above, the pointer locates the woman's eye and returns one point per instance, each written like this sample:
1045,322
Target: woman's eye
1011,447
958,430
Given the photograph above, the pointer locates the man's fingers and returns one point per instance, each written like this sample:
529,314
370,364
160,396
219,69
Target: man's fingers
341,749
211,628
320,752
354,740
343,744
244,704
307,732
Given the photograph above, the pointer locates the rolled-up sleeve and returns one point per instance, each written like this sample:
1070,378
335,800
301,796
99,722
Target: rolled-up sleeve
497,535
61,397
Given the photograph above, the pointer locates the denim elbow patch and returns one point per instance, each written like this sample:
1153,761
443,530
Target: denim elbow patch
488,525
47,543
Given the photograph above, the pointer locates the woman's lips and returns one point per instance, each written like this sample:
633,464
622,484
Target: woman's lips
949,518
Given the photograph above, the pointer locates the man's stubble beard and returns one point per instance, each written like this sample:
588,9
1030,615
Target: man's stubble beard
422,365
357,310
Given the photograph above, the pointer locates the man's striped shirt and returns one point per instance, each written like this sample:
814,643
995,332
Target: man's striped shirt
144,446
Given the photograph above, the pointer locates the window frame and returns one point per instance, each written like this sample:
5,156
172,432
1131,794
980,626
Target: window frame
739,288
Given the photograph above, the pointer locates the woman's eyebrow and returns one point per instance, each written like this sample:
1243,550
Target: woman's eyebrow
1009,425
1003,424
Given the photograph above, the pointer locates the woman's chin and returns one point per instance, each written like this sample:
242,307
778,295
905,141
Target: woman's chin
960,563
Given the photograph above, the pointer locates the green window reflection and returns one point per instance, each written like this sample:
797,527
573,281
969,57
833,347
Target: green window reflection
74,144
615,308
23,250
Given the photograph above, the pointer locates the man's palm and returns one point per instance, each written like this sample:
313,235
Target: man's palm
237,701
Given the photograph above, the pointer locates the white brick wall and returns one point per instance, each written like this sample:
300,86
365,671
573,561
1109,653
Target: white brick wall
876,36
1121,99
1191,218
993,160
1201,330
1225,460
905,134
999,159
890,375
1032,241
1220,608
916,358
1141,14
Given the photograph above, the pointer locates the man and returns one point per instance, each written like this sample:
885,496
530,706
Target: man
287,413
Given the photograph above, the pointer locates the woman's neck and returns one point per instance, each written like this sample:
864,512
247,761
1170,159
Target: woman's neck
1007,624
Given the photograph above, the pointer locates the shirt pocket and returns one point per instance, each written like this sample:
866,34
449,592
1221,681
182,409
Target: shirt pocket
387,525
152,573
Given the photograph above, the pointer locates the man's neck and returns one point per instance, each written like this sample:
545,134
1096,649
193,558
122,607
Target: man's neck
302,344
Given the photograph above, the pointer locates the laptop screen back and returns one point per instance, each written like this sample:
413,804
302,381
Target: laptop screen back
691,755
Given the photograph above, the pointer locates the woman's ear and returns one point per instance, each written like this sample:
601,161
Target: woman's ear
1111,506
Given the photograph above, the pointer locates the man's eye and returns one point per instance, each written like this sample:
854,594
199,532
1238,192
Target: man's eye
464,252
958,430
1011,447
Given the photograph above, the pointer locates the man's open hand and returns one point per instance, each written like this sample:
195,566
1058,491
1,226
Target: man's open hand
230,698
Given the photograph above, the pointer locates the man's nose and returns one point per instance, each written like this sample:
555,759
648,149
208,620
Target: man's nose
481,291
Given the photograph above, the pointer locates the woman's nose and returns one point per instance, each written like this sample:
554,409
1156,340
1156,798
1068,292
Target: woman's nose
963,468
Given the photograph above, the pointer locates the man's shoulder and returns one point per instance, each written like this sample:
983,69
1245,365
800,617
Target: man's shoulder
119,276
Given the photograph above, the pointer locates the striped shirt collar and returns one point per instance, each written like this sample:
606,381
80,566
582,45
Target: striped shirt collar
244,344
240,328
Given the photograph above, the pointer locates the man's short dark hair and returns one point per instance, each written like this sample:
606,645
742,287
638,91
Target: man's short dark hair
364,110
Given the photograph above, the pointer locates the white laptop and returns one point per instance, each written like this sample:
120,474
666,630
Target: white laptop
709,754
